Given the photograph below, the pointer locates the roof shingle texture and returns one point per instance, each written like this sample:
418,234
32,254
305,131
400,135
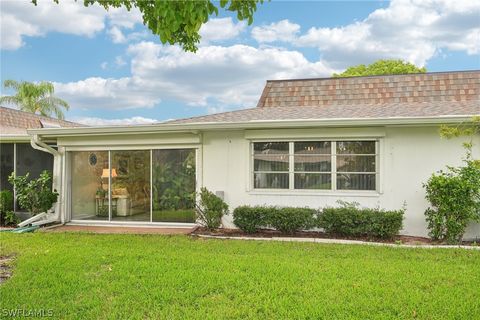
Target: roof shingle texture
16,122
407,96
408,88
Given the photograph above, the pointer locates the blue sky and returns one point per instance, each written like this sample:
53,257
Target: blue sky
112,70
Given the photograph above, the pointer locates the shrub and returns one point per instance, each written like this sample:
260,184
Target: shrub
349,220
455,199
250,219
7,216
290,219
35,195
211,209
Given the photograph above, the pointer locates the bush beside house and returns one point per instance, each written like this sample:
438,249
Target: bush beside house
454,196
347,220
7,216
210,210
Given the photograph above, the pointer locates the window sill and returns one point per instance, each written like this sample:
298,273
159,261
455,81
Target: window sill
326,193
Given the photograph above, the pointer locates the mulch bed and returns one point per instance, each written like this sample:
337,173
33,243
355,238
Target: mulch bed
266,233
5,267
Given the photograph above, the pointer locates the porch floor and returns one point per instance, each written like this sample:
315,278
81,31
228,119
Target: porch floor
120,229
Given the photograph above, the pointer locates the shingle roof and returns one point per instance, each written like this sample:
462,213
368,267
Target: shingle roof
16,122
353,111
419,95
407,88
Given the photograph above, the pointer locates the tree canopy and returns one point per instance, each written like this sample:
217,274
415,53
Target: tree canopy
179,22
381,67
35,98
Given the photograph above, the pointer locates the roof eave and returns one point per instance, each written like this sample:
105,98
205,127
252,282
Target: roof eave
254,124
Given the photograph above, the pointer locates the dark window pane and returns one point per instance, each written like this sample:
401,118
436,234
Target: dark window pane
346,181
314,147
32,161
356,147
6,165
271,180
270,147
313,163
270,163
173,185
313,181
356,163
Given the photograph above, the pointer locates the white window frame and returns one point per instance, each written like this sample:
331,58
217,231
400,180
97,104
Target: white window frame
333,190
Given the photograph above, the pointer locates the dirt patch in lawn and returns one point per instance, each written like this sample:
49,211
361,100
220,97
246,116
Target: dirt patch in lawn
6,267
266,233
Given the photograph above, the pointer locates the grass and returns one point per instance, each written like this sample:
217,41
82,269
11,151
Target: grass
185,215
88,276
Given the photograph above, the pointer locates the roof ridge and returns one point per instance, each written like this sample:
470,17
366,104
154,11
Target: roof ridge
39,116
375,76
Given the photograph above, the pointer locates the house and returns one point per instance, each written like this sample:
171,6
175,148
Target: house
309,142
16,152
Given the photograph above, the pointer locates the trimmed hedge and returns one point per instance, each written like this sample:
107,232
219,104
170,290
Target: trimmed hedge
287,220
352,221
290,219
250,219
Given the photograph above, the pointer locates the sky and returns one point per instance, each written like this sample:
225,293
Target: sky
113,70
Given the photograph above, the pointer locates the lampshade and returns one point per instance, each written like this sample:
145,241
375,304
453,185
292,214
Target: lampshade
105,173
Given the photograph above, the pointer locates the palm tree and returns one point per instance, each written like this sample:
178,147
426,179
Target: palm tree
35,98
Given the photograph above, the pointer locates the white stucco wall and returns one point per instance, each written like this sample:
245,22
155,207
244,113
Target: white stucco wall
408,156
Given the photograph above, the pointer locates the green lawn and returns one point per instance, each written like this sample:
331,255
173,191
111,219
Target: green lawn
86,276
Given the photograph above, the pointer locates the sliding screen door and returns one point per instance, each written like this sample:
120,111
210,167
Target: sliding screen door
173,177
131,185
89,186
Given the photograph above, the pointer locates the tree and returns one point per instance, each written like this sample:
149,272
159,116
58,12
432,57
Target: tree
381,67
179,22
35,98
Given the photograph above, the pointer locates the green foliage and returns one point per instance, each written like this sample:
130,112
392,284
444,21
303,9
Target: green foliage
250,219
6,200
35,98
211,209
179,22
469,129
381,67
174,184
349,220
34,195
7,216
291,219
455,199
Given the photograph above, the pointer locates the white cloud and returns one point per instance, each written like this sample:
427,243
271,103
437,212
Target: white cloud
94,121
22,18
221,29
283,30
223,77
414,30
104,65
96,92
117,35
119,61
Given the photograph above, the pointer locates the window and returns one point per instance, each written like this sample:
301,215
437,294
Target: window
315,165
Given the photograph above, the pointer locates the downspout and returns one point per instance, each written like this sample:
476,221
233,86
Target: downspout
38,144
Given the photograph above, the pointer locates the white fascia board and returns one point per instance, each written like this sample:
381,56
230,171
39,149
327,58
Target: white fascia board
254,124
14,138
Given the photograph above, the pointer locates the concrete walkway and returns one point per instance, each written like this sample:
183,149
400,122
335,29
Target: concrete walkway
120,230
340,241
